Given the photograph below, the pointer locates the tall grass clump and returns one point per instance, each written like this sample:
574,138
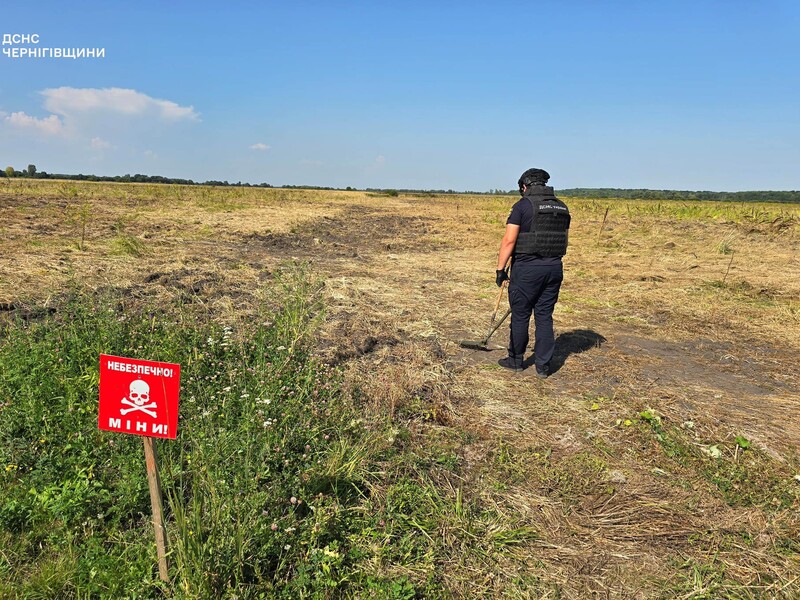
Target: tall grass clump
268,455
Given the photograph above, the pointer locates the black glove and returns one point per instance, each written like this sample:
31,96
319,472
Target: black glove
500,276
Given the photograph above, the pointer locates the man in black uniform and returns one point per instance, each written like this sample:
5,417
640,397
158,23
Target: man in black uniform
535,240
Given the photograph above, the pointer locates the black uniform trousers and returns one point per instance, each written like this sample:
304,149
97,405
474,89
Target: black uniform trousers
533,288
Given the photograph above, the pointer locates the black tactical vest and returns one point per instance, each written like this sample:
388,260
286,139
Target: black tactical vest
549,228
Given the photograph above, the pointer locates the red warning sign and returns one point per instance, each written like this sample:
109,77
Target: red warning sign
139,396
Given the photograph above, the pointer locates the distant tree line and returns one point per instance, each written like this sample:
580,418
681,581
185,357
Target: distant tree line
634,194
32,173
432,192
755,196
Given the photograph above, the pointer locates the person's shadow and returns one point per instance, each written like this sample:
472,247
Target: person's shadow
571,342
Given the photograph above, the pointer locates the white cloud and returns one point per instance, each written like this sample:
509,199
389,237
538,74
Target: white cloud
380,160
150,154
51,125
67,101
260,146
100,144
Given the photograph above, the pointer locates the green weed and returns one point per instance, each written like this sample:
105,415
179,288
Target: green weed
79,216
741,474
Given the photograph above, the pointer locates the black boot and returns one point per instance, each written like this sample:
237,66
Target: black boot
511,362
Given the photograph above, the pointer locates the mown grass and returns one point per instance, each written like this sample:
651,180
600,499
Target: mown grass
279,485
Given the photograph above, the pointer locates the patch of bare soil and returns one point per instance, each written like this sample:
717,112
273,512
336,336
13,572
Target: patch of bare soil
352,234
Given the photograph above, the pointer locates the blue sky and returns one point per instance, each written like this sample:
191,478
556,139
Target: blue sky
462,95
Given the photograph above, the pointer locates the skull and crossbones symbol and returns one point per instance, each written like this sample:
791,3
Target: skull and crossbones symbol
139,393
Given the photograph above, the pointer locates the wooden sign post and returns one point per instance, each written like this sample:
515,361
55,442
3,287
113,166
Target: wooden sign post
141,397
154,482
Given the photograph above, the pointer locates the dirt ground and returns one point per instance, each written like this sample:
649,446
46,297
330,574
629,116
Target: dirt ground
687,311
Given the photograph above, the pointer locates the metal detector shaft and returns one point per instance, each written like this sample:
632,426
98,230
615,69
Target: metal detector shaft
497,304
496,327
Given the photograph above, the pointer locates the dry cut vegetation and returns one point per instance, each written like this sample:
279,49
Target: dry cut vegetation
660,460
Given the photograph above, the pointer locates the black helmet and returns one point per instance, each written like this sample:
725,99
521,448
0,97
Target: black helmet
533,177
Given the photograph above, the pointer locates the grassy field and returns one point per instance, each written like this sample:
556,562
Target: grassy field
335,441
